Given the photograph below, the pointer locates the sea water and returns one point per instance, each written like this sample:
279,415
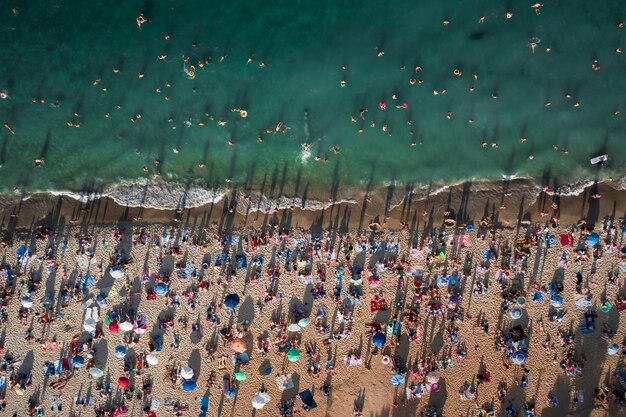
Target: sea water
282,62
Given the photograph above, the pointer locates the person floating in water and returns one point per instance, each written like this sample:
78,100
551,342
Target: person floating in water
141,19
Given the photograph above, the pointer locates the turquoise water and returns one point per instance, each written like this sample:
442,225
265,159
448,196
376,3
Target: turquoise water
54,50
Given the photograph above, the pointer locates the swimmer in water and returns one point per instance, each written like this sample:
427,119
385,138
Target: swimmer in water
8,127
537,7
306,147
4,94
141,19
335,149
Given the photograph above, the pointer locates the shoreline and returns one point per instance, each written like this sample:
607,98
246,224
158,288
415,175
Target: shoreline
393,206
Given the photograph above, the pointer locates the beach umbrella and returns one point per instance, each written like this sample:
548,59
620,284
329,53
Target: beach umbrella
188,385
519,357
204,403
120,351
126,326
114,327
117,272
123,381
293,355
397,380
78,361
432,377
613,349
89,325
556,300
26,301
140,326
239,345
161,288
96,372
260,399
151,359
231,300
304,322
606,306
186,372
516,313
593,239
82,261
240,376
435,387
379,339
293,327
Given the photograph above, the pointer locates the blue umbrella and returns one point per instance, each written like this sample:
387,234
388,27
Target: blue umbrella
231,300
556,300
161,288
204,404
519,357
379,339
78,361
120,351
516,313
397,380
189,385
593,239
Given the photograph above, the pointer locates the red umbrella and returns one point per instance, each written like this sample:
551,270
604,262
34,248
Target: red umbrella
114,327
123,382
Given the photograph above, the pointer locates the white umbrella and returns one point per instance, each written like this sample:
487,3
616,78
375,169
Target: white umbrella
96,372
116,272
432,377
82,261
152,359
186,372
89,325
126,326
27,302
294,327
260,399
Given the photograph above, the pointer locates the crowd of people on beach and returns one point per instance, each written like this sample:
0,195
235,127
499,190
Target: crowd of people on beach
407,279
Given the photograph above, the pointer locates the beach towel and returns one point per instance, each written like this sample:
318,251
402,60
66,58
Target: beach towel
284,382
307,398
462,241
242,261
567,240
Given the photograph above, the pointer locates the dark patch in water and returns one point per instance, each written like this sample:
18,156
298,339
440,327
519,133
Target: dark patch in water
475,36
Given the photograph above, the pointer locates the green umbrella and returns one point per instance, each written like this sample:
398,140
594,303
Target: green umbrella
293,355
240,376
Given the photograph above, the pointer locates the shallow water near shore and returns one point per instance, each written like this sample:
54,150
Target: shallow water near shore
55,53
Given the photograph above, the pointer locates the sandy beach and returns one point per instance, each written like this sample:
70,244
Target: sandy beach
451,297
